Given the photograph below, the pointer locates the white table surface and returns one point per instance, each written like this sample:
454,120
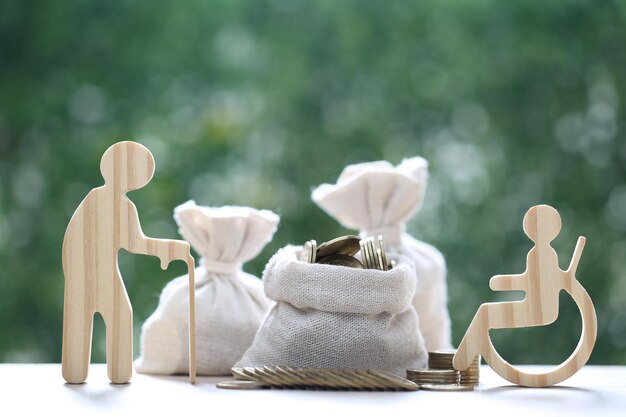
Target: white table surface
39,390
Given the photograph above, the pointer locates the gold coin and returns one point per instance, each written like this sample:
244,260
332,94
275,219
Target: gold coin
341,260
239,374
370,381
369,244
449,363
344,245
287,372
250,373
432,372
241,385
434,380
442,352
447,387
313,251
373,255
305,254
396,381
273,371
343,378
267,378
445,354
311,376
364,258
364,379
378,254
383,253
369,254
423,376
324,378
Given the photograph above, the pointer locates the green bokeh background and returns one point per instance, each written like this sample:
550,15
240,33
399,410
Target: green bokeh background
256,102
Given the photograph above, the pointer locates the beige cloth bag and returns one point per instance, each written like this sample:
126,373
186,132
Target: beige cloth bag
230,303
330,316
378,199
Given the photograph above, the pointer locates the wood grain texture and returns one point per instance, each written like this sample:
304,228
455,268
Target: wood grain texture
105,222
542,281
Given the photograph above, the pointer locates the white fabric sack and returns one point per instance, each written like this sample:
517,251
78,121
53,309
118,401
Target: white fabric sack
329,316
378,199
230,304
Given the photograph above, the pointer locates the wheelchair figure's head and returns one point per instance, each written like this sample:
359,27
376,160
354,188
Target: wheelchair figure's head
542,223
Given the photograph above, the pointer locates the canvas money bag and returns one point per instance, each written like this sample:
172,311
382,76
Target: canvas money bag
378,199
329,316
230,303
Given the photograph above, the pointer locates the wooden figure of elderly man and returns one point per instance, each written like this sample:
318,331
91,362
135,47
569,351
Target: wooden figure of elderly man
105,221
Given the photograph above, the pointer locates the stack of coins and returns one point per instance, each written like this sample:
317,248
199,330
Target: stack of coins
342,250
315,378
433,376
373,253
442,359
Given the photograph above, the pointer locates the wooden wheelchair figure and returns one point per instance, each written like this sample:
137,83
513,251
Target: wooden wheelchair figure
542,281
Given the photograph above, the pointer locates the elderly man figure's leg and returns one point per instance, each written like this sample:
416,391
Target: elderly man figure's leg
119,336
77,332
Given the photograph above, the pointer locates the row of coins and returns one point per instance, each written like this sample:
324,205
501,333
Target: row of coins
315,378
373,253
441,375
342,250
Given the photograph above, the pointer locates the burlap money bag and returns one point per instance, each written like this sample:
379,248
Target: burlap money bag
230,303
330,316
378,199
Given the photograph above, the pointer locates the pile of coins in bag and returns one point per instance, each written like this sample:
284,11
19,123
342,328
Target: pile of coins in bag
441,375
285,377
342,250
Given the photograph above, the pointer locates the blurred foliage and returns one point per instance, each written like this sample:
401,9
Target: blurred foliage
255,102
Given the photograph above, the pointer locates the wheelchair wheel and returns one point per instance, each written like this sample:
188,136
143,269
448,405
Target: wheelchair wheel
571,365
